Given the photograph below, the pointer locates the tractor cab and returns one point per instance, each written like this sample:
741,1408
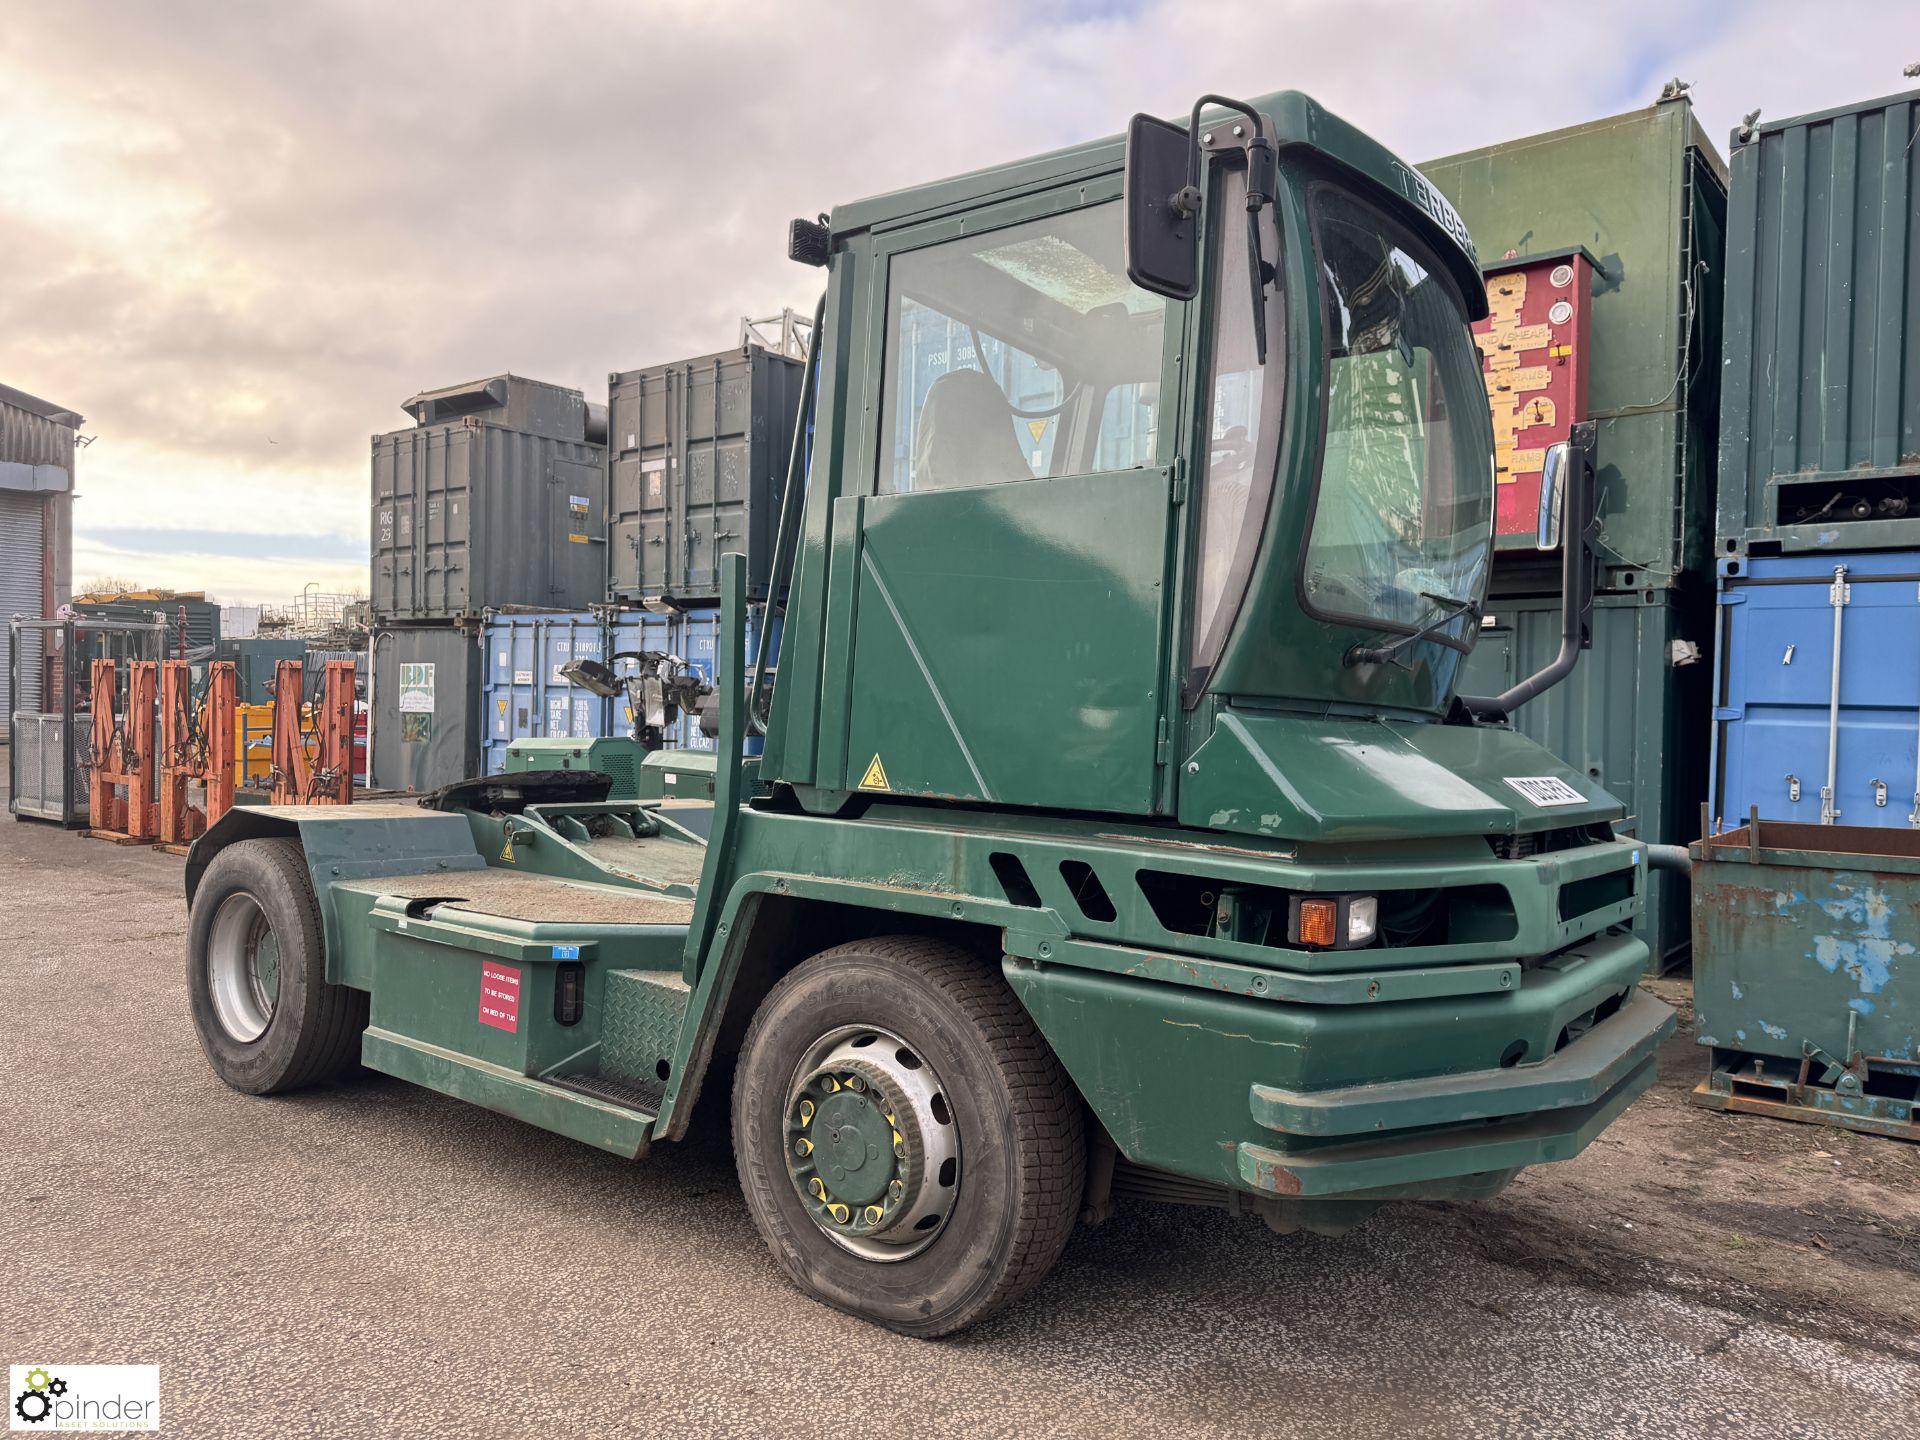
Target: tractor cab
1147,476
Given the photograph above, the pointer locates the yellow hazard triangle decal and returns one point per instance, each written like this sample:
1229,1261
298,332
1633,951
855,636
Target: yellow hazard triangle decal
876,776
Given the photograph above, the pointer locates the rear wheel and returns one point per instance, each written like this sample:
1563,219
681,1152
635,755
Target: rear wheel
910,1148
256,974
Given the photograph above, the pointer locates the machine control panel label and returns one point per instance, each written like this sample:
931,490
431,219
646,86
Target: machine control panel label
499,995
1546,790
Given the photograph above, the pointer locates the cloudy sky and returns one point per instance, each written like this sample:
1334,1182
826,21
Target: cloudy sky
235,236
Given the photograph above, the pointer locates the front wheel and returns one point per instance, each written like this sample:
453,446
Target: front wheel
910,1149
257,974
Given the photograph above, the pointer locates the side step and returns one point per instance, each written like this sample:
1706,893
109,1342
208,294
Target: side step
619,1126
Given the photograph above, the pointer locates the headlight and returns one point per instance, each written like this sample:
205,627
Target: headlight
1363,917
1332,922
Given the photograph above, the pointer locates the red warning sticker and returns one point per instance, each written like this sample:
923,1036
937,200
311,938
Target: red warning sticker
499,996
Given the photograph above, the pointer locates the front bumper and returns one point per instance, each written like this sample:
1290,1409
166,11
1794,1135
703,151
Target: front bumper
1367,1099
1418,1131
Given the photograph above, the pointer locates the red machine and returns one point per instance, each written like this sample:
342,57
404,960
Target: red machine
328,780
1533,345
186,756
123,755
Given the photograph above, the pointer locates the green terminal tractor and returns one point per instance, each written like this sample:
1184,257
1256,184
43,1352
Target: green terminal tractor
1119,832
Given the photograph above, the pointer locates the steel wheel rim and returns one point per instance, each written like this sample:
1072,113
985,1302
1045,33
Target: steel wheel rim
243,967
871,1144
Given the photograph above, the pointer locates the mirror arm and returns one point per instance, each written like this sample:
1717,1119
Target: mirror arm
1578,531
1187,199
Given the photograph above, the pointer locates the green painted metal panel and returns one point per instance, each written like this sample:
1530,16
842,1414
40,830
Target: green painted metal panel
1645,193
1821,412
1007,642
1333,780
1109,1031
1629,718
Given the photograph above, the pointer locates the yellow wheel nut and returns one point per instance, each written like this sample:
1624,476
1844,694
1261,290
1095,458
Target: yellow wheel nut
806,1112
839,1212
874,1212
832,1085
818,1187
803,1146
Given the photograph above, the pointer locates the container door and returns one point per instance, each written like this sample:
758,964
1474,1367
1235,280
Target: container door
1779,679
447,522
1009,569
577,493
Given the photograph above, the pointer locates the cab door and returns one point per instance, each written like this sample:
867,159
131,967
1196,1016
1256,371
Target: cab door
1008,566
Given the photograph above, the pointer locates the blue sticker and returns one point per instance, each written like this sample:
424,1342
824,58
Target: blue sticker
1636,857
566,952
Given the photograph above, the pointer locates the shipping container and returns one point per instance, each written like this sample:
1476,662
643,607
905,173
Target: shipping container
526,698
695,637
1820,421
1645,195
1804,731
254,660
699,452
425,705
512,401
524,695
471,516
1632,717
202,616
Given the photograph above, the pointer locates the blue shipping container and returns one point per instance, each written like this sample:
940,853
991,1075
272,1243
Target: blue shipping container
692,636
523,692
524,695
1788,721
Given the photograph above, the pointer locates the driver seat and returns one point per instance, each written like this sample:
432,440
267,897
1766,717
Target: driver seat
966,435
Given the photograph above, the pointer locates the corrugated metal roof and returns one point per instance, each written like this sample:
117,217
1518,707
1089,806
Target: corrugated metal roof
35,431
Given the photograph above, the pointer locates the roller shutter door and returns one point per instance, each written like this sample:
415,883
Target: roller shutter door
21,557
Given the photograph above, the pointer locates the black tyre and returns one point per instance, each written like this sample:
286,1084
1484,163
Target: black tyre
256,974
910,1148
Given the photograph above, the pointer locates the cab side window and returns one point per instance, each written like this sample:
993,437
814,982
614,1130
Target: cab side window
1017,354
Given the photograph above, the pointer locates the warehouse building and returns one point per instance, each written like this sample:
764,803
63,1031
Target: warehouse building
36,514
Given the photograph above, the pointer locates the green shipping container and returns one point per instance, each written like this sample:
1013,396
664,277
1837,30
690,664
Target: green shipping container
1634,716
1646,195
1820,422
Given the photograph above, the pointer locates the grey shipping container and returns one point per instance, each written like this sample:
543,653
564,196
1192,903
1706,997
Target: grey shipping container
425,707
510,400
1633,716
1646,194
699,459
472,516
1820,415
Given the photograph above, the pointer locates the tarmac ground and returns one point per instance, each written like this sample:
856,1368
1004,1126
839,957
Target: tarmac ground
375,1259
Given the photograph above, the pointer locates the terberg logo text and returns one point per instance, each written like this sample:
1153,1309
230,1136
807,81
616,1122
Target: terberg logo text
83,1397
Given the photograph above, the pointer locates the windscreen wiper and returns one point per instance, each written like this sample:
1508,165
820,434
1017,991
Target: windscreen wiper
1451,609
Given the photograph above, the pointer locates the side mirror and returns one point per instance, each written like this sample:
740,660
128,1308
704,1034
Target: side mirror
1162,235
1553,495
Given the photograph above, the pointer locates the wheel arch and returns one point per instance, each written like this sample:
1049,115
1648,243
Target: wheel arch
238,824
771,930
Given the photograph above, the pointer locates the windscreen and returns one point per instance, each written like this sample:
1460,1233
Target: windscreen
1403,520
